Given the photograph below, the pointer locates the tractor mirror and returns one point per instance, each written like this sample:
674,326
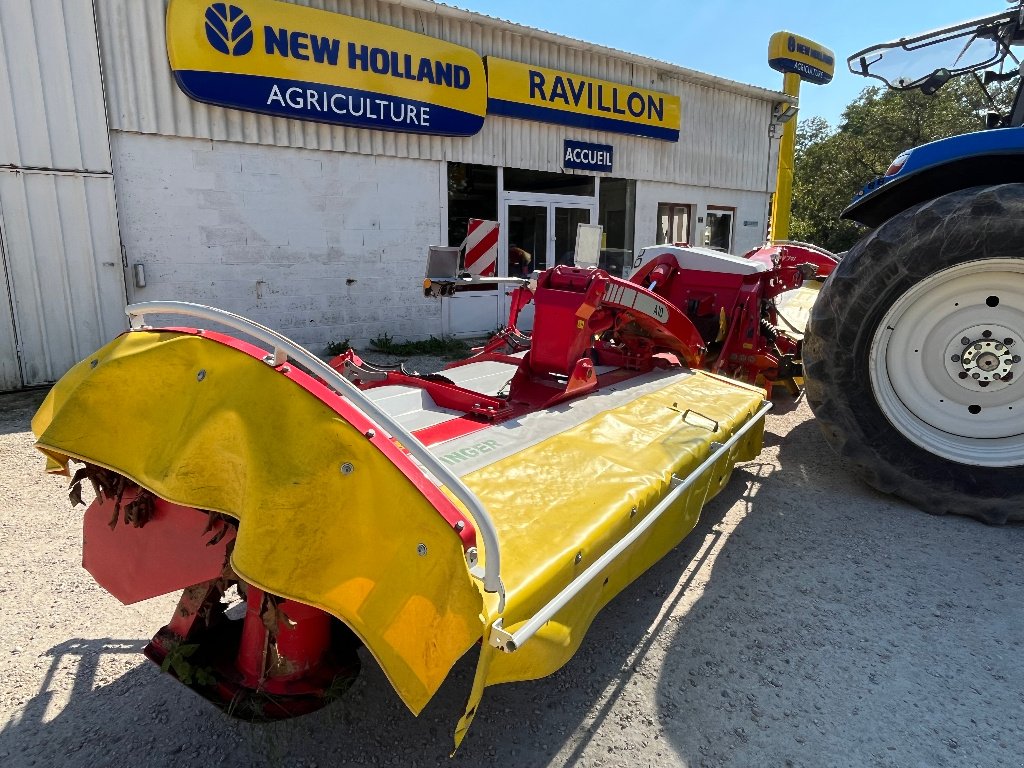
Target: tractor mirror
935,80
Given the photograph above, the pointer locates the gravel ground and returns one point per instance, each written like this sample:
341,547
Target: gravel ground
807,621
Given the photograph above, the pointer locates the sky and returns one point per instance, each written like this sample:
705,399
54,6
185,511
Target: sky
729,38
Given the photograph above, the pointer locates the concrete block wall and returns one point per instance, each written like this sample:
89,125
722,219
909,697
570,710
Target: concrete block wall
321,246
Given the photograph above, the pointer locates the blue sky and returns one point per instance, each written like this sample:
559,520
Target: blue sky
730,37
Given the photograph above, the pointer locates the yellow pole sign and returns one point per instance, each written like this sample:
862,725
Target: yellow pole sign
798,59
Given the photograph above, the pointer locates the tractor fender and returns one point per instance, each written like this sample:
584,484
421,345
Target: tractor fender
940,167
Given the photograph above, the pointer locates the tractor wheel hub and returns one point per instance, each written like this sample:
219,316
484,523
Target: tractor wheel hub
982,358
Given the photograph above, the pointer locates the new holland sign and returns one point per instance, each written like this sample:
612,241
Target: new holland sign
536,93
288,60
791,53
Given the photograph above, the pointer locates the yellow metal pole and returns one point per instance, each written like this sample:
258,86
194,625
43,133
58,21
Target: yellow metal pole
784,180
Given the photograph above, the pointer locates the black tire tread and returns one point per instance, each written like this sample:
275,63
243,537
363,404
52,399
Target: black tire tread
981,222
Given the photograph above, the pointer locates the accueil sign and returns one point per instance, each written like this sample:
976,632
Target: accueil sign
283,59
278,58
584,156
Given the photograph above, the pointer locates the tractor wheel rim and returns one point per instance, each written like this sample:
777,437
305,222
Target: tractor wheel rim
945,363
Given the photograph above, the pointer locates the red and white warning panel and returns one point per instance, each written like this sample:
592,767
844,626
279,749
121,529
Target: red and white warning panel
482,247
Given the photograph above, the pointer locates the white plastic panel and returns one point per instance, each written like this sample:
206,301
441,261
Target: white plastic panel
704,260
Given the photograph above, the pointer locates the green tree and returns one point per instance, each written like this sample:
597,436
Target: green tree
832,165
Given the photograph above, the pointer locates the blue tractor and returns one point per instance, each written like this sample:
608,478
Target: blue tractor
913,354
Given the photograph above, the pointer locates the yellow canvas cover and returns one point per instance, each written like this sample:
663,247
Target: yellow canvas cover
246,441
575,494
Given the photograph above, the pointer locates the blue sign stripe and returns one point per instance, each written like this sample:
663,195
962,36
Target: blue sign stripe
326,103
578,119
807,72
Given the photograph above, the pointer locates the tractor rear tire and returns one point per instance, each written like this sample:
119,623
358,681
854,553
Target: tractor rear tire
912,357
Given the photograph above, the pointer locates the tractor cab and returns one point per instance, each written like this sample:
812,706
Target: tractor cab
928,61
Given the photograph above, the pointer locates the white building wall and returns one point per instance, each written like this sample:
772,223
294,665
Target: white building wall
749,206
273,218
321,246
51,95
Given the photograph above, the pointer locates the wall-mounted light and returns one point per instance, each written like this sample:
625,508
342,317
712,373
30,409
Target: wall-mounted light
784,112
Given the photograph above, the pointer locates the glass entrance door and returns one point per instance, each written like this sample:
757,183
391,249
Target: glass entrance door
526,242
567,219
540,232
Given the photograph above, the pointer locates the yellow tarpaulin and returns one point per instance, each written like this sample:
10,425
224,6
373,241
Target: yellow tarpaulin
244,440
563,502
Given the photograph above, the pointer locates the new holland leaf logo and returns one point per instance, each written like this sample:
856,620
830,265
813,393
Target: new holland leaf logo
229,29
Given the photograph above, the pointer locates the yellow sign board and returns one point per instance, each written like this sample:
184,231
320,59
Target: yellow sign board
791,53
293,61
548,95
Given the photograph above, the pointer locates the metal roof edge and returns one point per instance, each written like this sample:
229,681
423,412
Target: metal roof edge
663,67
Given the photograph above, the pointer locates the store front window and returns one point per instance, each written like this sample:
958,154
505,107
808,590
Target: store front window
543,182
472,194
527,239
673,224
616,215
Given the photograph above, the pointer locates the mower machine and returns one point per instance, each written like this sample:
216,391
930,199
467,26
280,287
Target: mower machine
306,508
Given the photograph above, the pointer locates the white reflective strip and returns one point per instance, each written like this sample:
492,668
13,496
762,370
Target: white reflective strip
651,306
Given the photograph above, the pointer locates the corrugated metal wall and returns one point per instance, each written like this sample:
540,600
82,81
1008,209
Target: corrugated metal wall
64,265
49,80
63,285
724,140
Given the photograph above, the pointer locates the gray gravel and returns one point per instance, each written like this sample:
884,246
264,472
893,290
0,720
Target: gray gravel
807,621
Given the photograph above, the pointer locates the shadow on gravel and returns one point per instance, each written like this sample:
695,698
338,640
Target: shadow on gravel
759,644
145,719
17,409
836,615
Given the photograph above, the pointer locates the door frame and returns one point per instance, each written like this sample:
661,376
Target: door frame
11,377
537,200
720,209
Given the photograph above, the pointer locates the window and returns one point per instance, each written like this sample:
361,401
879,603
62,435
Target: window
718,229
522,180
673,224
472,194
615,213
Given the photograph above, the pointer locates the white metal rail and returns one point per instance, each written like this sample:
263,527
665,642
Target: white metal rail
808,246
512,641
285,349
